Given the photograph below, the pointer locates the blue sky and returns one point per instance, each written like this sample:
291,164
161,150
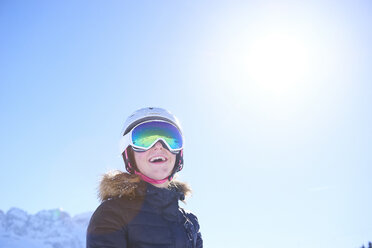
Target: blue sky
274,98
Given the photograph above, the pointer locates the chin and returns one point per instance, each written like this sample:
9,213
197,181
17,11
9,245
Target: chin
160,176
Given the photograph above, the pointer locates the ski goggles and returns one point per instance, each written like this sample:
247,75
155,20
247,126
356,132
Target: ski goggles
143,136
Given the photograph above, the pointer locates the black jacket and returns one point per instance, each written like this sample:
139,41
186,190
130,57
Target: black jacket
136,214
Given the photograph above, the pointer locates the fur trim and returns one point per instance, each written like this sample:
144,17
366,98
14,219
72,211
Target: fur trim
122,184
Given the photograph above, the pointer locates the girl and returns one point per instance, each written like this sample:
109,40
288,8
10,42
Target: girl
140,209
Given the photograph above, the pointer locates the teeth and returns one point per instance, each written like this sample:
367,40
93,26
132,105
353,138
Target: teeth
157,158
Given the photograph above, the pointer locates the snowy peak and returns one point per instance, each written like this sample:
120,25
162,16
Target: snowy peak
16,221
47,228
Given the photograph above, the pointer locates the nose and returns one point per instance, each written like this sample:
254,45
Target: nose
159,145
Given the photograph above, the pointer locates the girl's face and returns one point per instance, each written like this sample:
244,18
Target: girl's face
156,163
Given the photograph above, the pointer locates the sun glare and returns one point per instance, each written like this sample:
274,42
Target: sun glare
278,62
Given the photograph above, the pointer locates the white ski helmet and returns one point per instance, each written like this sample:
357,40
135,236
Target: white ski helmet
142,115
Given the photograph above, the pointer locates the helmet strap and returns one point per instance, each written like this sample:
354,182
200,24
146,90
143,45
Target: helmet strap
127,162
150,180
178,166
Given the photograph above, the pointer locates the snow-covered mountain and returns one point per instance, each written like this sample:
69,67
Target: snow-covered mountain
45,229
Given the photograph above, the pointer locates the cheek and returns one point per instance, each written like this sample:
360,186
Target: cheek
140,158
173,159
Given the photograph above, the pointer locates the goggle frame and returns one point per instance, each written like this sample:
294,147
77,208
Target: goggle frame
127,139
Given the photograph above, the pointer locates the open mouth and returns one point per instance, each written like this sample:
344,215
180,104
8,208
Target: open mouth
158,159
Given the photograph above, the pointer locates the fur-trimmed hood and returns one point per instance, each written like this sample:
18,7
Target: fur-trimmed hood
122,184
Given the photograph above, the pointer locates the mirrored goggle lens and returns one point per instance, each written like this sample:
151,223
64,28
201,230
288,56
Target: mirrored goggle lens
145,134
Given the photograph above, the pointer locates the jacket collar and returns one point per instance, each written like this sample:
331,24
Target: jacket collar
120,184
